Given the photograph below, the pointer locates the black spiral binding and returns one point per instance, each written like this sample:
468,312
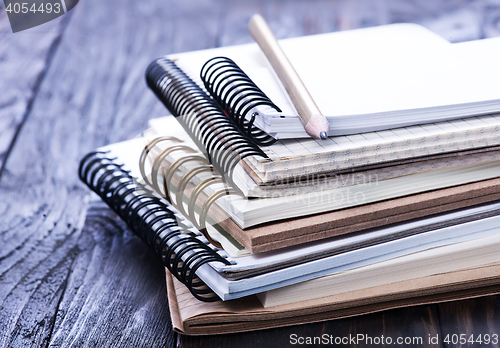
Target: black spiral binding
202,118
237,95
149,216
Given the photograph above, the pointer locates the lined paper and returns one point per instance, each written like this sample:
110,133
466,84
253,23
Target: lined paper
294,157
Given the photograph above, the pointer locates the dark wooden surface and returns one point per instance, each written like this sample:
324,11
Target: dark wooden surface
71,273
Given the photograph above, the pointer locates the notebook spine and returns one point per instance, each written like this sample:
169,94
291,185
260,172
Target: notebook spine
238,95
202,117
179,248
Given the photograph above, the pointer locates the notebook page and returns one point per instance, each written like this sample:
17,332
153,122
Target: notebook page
421,264
246,212
338,72
218,318
408,38
296,157
378,87
396,80
222,314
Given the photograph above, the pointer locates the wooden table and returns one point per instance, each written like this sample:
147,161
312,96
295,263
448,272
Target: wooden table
71,272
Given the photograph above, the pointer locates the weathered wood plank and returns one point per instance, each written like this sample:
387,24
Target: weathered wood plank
60,283
24,58
490,18
101,286
416,323
71,273
475,317
114,293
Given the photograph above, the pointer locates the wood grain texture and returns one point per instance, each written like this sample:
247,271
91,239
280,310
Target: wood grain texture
24,60
71,272
471,317
59,285
416,322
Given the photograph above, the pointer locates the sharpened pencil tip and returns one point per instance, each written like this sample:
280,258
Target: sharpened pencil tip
317,127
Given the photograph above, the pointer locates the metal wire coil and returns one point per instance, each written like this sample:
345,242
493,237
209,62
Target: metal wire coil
203,119
237,95
149,216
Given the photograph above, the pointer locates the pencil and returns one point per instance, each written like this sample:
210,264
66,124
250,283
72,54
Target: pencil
313,120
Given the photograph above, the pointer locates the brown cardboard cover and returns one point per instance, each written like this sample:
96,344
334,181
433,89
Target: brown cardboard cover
290,232
193,317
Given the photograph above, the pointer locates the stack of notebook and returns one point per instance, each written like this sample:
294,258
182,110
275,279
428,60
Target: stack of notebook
398,207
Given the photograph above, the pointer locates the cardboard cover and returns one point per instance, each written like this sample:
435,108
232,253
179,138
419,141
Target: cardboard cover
193,317
271,236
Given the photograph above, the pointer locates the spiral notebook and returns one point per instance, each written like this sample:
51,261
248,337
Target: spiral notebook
246,183
220,124
112,171
362,80
187,254
322,61
176,167
191,256
193,317
178,170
